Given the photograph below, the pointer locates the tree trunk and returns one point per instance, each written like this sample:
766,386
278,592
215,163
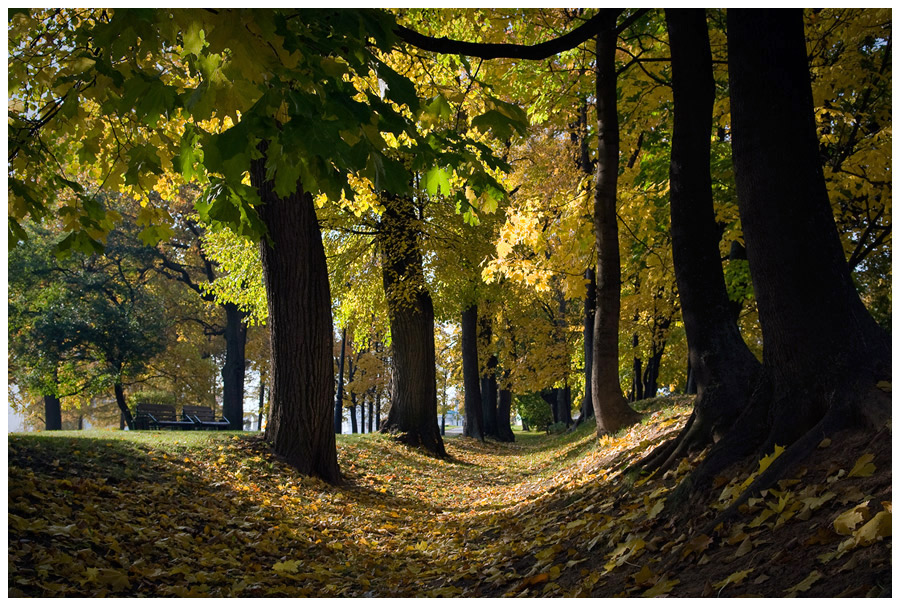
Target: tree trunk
473,426
822,350
637,387
504,408
823,354
720,366
371,416
301,414
413,413
378,410
234,367
651,373
339,399
590,307
262,401
610,408
52,413
488,382
353,426
362,416
123,406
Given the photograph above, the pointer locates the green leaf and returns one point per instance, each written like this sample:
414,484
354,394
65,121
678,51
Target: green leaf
398,88
499,124
437,180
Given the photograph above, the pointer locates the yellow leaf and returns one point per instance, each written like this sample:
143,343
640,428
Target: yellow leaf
876,528
734,578
767,460
846,522
663,586
806,583
863,467
657,509
288,566
644,576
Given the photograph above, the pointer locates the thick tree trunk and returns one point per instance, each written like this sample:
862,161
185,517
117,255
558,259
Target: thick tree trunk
52,413
123,405
823,354
821,348
413,413
301,414
339,399
504,408
610,408
234,367
720,366
473,426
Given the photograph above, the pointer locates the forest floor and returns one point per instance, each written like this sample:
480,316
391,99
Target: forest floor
108,513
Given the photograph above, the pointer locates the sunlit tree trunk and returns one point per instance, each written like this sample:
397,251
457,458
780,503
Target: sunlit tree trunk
301,414
590,308
610,408
413,414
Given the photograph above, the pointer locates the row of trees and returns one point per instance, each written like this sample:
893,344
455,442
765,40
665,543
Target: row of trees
371,159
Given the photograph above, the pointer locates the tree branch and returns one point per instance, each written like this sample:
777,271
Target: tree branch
603,20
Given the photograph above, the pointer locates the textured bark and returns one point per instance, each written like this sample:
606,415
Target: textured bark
234,368
822,352
339,399
123,405
817,335
301,414
52,413
504,409
473,426
610,408
413,413
720,366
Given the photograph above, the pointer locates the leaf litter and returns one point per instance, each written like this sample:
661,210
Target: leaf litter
206,514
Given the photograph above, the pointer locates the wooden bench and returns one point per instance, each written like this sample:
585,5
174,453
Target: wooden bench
203,417
159,416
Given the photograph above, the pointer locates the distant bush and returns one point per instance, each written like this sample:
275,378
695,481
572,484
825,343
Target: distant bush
534,410
153,396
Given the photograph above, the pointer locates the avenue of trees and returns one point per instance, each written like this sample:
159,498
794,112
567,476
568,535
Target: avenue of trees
550,213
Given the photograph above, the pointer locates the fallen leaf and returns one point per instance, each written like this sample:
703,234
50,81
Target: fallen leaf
863,468
734,578
663,586
805,584
847,521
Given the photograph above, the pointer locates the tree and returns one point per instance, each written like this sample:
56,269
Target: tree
610,409
723,366
83,323
471,384
814,382
413,412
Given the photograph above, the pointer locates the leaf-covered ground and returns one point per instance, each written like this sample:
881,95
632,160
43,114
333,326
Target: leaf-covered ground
206,514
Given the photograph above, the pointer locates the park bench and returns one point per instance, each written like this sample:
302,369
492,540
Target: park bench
159,416
203,417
